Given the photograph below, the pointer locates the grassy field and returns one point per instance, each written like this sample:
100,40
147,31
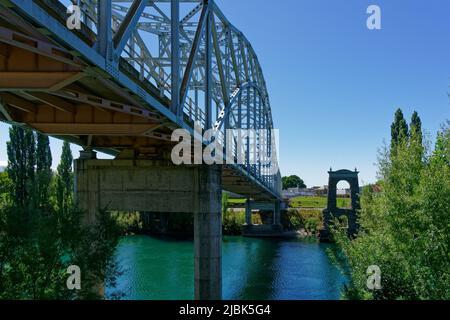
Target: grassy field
317,202
236,201
306,202
308,219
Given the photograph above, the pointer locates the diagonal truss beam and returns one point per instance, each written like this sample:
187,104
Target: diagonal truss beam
223,82
128,25
192,58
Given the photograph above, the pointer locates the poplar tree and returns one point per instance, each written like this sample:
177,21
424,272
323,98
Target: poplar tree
399,132
64,182
43,170
415,136
416,127
399,128
21,165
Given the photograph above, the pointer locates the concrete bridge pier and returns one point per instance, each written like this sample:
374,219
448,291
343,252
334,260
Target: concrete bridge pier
208,233
248,213
271,229
158,186
277,214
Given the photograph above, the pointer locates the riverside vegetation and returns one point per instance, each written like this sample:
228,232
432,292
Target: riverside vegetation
405,226
42,231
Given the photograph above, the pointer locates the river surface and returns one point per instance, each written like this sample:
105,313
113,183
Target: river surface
263,269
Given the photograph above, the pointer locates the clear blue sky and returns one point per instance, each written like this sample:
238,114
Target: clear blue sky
334,84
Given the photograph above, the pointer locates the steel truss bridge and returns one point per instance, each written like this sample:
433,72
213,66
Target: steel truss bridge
134,72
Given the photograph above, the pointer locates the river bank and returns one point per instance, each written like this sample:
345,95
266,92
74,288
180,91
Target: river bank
296,223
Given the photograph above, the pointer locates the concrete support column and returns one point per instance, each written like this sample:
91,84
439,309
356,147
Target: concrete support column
160,187
208,232
276,213
87,187
248,213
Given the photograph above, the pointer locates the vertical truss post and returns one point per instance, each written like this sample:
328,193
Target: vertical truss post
196,105
176,106
104,32
266,146
244,59
208,67
260,150
239,126
248,129
255,126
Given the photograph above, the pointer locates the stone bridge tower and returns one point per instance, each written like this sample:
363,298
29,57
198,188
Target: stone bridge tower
332,211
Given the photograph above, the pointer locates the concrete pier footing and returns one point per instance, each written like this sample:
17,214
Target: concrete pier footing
156,186
275,229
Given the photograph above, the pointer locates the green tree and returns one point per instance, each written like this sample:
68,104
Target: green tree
5,189
225,203
442,149
292,182
399,128
21,165
43,170
38,243
232,221
416,127
64,179
404,228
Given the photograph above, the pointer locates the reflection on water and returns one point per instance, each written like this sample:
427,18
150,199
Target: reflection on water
252,269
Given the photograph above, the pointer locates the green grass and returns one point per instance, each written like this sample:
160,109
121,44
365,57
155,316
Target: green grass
238,201
317,202
310,219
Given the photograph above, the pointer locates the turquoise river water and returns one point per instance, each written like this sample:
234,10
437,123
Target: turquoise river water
263,269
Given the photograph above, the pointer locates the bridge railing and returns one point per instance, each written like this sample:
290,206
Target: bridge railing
196,60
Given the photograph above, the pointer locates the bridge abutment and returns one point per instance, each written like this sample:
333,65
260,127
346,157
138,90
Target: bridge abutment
158,186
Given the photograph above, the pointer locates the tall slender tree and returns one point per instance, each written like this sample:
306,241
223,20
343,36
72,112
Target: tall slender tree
416,127
64,182
43,170
21,165
399,128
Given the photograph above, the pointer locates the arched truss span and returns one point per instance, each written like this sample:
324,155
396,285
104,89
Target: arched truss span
185,53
